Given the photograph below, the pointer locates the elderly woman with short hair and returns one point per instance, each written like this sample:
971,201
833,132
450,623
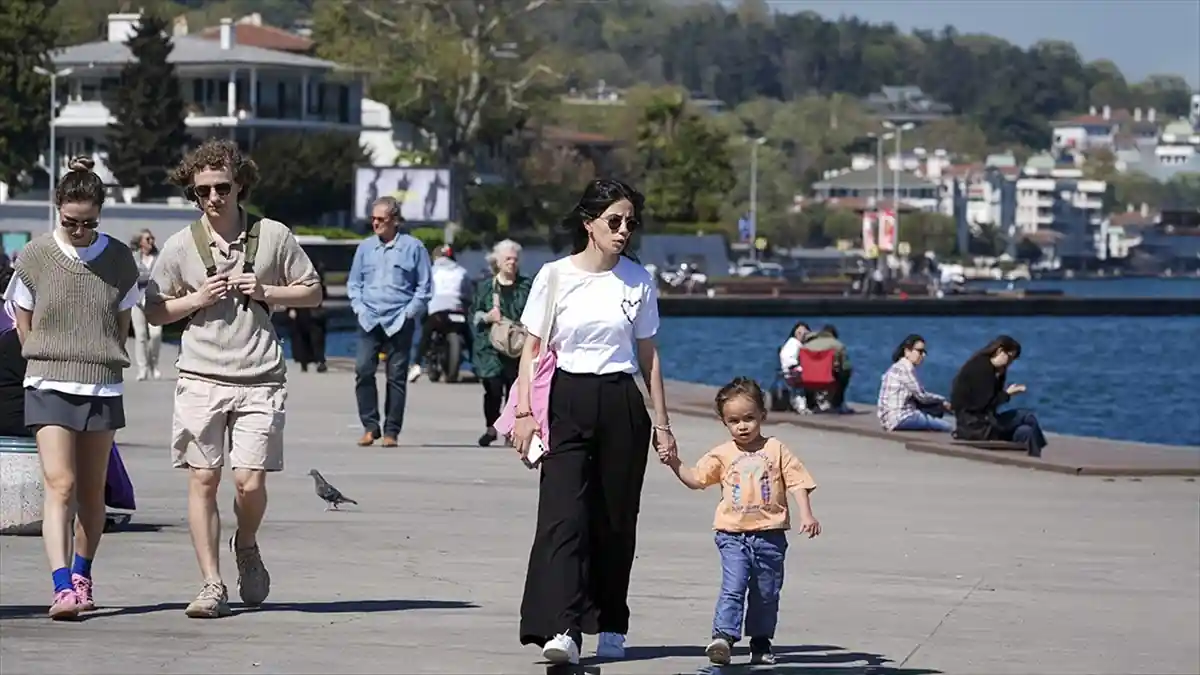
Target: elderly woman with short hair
497,307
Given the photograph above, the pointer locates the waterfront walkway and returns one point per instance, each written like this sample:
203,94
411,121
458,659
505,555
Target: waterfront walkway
927,564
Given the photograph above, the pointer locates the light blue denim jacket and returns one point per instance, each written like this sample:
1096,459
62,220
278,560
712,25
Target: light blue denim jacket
389,283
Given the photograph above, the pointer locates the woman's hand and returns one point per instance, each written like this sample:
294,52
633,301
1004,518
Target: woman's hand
523,430
493,316
664,443
1014,389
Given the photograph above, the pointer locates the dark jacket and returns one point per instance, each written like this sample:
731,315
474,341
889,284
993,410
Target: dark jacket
978,390
12,385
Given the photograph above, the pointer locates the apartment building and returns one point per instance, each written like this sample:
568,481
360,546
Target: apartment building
230,89
1054,195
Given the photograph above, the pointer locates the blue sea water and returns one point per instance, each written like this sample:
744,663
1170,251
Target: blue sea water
1114,377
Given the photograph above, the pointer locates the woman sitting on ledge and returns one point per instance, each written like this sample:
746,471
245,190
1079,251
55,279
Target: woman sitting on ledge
12,368
980,388
904,405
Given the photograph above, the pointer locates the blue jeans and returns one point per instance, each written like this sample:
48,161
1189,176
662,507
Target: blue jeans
919,421
395,349
1020,425
751,565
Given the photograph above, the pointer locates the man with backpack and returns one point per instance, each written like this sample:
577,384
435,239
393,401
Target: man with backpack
223,275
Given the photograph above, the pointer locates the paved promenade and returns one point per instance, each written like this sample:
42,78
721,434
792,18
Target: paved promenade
927,564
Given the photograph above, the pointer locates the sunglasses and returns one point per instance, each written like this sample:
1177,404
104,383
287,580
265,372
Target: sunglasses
920,351
71,223
615,221
203,191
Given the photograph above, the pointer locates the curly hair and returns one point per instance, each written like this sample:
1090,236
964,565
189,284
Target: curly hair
741,387
217,153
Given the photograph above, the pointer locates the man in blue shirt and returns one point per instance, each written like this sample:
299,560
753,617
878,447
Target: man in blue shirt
389,288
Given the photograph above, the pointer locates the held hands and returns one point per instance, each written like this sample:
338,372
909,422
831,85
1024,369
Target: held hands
664,444
1014,389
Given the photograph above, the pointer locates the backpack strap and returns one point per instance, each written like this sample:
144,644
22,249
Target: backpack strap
250,251
204,245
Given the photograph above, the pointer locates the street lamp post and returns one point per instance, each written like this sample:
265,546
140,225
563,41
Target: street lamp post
754,195
52,160
899,129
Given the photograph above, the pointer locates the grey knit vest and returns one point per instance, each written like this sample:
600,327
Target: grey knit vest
74,336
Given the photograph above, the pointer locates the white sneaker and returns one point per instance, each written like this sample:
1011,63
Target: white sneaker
155,373
141,374
414,373
611,646
561,649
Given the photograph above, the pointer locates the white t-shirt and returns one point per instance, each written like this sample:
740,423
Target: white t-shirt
599,316
789,354
22,297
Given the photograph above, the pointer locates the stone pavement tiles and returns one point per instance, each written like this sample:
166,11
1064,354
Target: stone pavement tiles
927,564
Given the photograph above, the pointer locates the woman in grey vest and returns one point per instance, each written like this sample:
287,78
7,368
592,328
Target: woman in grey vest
74,289
147,337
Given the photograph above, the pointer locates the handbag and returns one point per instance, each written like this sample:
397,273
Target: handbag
506,336
118,489
542,372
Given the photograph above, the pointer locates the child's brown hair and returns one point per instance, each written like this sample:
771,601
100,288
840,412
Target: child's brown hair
741,386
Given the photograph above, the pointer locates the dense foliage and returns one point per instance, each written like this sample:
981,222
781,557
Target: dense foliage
149,136
305,175
26,36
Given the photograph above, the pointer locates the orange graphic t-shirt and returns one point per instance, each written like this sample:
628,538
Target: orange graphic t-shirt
754,485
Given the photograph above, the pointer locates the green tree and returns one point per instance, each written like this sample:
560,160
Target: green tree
303,176
929,232
467,73
149,135
683,160
26,38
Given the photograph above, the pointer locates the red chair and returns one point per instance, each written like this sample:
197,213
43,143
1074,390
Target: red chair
817,370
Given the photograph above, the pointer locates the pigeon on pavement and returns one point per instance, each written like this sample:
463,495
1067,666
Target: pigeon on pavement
327,492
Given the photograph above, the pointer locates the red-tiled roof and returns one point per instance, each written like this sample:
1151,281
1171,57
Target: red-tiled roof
561,135
1045,237
1085,120
1132,219
267,37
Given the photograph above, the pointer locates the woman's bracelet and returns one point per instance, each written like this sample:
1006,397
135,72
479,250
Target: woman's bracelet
662,427
527,413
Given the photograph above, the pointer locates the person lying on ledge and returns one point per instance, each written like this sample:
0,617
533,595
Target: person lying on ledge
980,388
904,405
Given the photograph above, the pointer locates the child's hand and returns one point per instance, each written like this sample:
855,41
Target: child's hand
667,454
810,526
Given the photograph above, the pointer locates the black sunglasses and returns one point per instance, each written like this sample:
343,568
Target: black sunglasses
615,220
69,222
203,191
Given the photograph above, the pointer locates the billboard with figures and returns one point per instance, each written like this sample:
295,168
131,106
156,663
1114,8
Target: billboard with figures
423,191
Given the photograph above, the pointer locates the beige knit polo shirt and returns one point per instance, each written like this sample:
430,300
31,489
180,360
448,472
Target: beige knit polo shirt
75,336
227,342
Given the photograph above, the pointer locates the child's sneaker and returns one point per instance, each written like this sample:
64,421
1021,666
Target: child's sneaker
83,591
611,646
65,606
561,649
719,651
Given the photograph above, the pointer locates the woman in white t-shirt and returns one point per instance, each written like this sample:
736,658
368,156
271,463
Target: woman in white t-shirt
604,324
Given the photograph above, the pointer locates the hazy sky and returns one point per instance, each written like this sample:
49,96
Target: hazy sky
1142,37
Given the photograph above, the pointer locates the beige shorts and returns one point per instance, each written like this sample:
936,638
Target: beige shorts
210,416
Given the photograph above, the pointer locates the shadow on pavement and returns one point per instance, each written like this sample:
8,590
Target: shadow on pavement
792,660
330,607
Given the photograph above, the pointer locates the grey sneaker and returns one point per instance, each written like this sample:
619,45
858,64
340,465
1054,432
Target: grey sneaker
212,603
254,582
719,651
766,658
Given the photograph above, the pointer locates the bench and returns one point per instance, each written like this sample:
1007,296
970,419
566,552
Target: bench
998,446
21,486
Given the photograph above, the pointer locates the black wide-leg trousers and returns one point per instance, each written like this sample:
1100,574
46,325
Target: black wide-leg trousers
588,502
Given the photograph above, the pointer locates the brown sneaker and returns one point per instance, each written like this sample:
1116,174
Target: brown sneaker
389,442
367,438
254,582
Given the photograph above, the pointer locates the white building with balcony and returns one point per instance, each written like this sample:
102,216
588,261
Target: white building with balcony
239,91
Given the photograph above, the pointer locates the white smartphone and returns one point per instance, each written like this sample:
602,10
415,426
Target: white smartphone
537,450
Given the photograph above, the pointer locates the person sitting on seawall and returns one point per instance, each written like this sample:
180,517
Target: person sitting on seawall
452,292
789,367
12,368
827,339
904,405
980,388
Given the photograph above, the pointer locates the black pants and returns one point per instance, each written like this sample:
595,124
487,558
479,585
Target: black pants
1020,425
496,390
588,502
308,336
